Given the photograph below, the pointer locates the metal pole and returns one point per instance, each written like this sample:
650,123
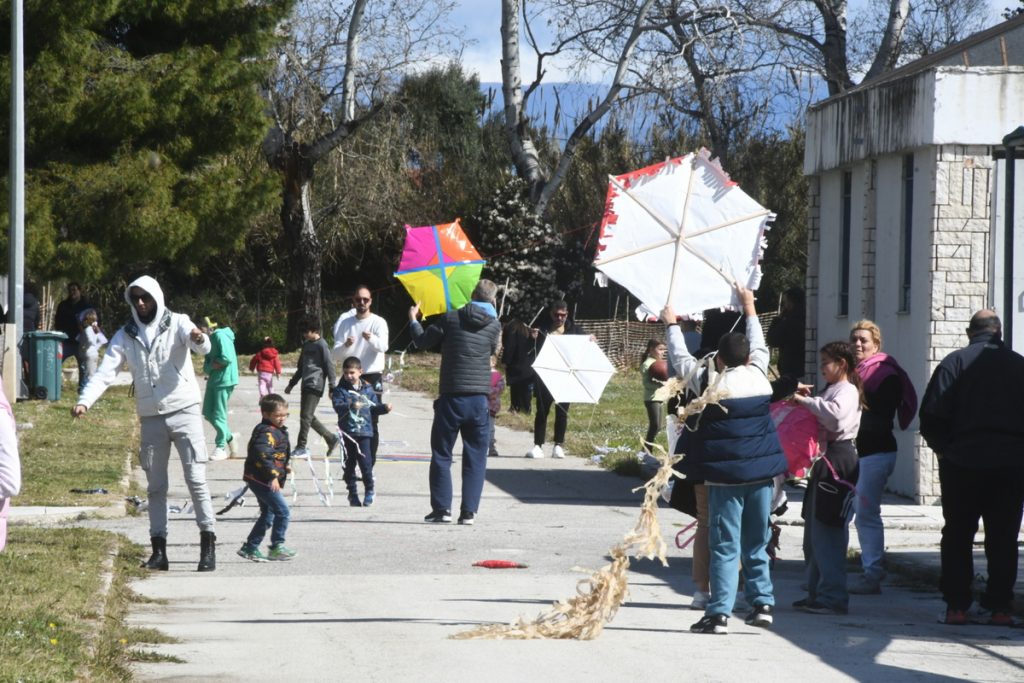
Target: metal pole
1008,294
16,272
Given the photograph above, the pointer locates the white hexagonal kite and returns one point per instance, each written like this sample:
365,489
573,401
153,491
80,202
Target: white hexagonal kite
681,233
573,368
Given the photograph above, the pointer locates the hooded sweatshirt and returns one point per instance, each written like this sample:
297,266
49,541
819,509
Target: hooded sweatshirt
158,358
221,363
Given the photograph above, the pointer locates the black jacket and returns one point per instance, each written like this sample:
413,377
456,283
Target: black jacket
971,410
468,338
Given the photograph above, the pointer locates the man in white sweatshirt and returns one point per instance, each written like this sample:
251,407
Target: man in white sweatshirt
156,345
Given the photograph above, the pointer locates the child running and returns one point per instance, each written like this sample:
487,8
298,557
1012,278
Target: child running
355,402
267,365
266,469
828,504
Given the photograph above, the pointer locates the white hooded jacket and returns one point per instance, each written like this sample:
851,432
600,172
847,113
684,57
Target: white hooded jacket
158,357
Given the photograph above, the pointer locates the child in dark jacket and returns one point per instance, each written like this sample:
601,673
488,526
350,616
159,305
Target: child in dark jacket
355,402
316,372
266,469
266,364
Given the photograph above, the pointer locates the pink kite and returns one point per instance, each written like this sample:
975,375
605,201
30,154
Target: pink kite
798,434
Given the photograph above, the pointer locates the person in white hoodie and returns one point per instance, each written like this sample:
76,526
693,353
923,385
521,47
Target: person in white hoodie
156,345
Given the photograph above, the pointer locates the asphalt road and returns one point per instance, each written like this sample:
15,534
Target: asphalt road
375,594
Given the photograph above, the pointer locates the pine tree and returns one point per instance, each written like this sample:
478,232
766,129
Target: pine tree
136,114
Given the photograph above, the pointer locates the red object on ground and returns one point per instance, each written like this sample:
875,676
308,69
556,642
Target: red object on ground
658,370
500,564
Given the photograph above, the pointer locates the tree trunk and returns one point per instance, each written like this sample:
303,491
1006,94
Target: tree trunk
305,255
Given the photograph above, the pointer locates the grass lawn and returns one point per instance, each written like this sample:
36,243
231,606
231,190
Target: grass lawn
60,453
619,420
64,591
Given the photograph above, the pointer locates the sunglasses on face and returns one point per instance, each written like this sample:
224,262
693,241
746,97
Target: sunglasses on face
140,296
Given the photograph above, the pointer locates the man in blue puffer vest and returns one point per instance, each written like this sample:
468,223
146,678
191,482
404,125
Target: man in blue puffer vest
468,338
734,449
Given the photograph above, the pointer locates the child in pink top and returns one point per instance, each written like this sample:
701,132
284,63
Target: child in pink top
267,366
494,400
828,504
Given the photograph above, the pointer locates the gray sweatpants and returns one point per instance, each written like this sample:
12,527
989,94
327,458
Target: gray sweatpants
184,429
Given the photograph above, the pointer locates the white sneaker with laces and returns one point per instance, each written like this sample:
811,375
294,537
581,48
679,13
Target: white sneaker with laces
218,454
300,453
557,452
535,452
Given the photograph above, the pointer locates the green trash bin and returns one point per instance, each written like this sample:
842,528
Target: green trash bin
45,358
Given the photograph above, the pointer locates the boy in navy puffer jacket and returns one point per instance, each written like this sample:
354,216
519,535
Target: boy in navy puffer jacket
355,402
736,452
266,470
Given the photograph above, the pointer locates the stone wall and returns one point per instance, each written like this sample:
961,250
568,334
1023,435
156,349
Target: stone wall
960,265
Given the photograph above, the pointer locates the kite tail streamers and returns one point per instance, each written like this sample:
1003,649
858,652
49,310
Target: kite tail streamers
599,596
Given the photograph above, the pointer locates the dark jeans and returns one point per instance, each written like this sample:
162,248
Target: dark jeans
357,450
375,380
655,422
69,348
521,395
540,422
307,419
455,414
996,495
274,515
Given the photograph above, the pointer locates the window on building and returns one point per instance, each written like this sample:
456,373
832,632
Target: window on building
906,231
844,244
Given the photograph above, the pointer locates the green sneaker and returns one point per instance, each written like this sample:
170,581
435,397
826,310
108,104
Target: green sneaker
252,554
279,552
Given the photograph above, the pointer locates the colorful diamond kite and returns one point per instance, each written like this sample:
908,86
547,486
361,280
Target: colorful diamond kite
439,267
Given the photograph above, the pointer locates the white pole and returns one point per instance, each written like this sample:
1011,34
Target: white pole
16,272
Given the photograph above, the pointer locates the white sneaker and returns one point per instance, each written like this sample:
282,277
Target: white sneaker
700,600
233,445
301,453
557,453
218,454
535,452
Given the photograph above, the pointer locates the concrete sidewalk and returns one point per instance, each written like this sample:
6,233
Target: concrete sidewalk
375,593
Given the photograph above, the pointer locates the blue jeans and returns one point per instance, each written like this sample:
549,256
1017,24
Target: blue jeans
874,472
455,414
825,557
274,515
358,451
738,533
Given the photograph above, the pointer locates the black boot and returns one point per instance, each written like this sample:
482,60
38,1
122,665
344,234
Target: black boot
158,560
207,552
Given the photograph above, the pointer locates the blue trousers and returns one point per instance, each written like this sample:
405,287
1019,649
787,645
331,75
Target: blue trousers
274,515
358,451
825,557
455,414
738,532
875,470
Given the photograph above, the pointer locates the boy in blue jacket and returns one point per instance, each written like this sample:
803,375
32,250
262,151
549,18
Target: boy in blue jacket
266,469
355,402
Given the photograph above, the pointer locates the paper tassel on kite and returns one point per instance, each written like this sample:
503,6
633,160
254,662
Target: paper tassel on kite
599,596
439,267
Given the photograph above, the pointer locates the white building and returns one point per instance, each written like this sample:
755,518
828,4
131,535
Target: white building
906,213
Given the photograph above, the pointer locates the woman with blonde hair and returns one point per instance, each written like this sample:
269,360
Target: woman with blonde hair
888,393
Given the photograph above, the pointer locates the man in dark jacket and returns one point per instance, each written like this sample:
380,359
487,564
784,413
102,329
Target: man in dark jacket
66,320
736,451
468,338
971,418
